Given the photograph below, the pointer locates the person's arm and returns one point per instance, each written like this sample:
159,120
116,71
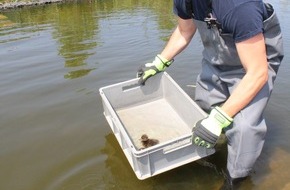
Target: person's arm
179,39
252,53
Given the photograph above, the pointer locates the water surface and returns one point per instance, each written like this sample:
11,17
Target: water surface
53,134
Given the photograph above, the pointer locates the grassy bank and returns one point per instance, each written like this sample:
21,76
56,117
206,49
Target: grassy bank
11,4
13,1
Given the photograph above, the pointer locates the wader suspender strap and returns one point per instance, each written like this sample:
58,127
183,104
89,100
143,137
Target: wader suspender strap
209,5
210,20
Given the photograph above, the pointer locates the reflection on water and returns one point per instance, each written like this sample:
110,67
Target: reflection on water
77,73
76,48
53,134
75,26
4,22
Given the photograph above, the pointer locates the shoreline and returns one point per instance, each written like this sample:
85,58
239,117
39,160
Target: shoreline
12,5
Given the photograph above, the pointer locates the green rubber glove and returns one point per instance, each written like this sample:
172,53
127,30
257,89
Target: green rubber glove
207,131
150,69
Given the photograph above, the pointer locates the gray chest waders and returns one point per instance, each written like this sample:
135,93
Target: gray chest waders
221,73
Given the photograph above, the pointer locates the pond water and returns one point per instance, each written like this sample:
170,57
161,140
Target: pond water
53,134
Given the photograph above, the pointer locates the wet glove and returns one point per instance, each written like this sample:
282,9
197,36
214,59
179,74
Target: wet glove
150,69
207,131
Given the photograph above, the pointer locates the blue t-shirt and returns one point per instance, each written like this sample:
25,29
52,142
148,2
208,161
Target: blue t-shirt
242,18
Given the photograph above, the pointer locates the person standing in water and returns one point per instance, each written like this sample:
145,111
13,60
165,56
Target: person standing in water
243,49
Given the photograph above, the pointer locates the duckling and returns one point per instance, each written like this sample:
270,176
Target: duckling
146,142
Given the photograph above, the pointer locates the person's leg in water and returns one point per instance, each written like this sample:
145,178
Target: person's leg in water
246,135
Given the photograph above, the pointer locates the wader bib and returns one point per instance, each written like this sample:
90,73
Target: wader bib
221,73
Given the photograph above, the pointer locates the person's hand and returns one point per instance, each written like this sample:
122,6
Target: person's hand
207,131
150,69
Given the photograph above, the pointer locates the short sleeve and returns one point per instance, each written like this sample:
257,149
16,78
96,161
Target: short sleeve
179,9
244,21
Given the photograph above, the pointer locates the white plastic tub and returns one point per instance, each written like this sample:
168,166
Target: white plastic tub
163,111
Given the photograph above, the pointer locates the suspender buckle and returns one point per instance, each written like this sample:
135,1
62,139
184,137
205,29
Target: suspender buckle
212,22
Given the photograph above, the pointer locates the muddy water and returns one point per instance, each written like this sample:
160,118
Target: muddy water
53,134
